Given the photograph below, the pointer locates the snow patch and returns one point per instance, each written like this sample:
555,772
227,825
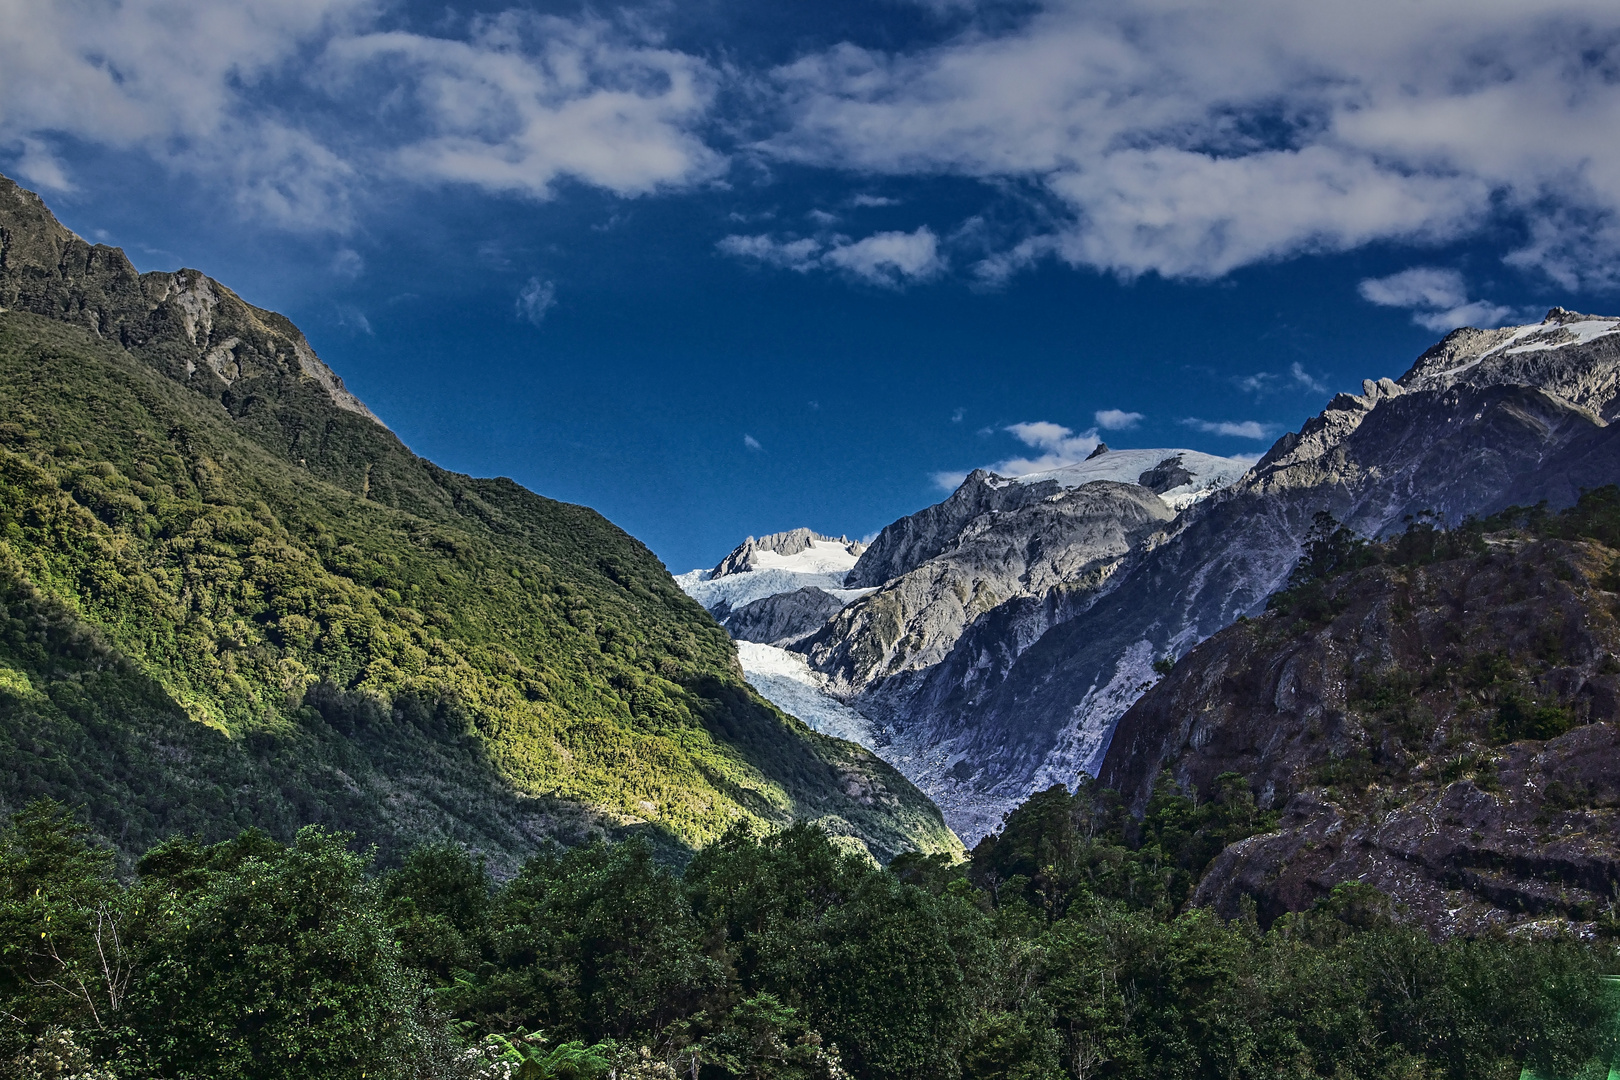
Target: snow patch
823,565
1584,331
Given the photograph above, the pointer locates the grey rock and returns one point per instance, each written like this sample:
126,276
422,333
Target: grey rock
908,543
1068,540
1371,733
782,619
1165,475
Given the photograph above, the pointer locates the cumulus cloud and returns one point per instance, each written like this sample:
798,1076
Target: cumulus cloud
535,299
515,103
1116,419
1237,429
529,98
1187,138
890,259
1438,299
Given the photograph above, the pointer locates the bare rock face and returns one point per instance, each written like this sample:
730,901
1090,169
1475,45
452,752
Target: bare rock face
1415,741
783,619
187,323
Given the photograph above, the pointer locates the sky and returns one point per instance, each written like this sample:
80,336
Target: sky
723,267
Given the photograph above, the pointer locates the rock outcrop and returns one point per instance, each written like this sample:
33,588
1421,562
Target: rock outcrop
1449,736
785,618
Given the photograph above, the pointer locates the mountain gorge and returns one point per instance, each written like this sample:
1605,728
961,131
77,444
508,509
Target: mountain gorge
233,597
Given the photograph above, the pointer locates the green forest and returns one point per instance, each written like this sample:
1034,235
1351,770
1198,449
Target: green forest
1061,948
197,635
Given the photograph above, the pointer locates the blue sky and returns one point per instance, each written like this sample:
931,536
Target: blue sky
722,268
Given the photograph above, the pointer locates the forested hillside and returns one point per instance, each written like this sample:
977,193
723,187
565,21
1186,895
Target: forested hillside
233,597
1057,951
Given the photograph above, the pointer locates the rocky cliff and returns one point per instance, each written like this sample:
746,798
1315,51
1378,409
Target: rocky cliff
1445,731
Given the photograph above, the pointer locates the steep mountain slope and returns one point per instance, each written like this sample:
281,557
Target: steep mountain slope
1482,418
1443,726
234,597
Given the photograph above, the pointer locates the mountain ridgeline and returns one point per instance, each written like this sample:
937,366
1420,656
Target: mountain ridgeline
233,597
1010,626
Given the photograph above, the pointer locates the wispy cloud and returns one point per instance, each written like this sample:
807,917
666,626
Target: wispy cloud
1296,378
1438,298
1237,429
751,443
1116,419
1057,446
890,259
535,299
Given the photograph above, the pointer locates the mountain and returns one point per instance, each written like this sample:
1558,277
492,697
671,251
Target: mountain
1482,419
1440,724
1012,624
233,597
1002,559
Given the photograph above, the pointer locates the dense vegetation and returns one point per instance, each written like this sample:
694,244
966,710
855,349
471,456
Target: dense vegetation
198,635
1056,951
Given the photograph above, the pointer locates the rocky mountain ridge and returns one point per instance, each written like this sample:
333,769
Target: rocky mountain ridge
982,701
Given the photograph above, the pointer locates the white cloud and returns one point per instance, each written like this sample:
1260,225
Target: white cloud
1059,446
293,106
528,99
38,165
1262,383
352,318
1116,419
348,263
800,255
1237,429
1438,296
751,443
873,200
887,258
1187,138
1305,379
535,299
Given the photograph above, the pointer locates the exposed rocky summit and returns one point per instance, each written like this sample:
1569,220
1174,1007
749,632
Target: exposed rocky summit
186,323
746,556
1444,732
